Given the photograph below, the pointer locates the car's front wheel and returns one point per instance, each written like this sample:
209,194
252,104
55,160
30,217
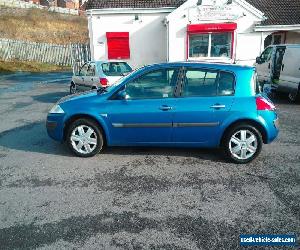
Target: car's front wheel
84,138
242,143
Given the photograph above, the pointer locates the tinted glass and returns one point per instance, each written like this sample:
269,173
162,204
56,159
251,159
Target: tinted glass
116,68
200,83
226,83
266,55
153,85
91,70
83,70
203,83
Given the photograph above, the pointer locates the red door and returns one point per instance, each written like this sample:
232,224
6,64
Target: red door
118,45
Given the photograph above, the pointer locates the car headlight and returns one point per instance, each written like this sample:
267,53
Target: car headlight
56,109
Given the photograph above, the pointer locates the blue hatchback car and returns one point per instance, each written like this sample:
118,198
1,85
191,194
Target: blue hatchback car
185,104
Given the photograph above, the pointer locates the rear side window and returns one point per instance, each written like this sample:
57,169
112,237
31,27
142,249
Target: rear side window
200,82
225,83
116,68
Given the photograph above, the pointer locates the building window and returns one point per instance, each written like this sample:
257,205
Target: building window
214,40
118,45
210,45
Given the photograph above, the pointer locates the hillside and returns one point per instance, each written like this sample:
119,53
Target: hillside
42,26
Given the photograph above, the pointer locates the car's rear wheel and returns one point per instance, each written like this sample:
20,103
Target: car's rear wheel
73,88
293,96
84,138
242,143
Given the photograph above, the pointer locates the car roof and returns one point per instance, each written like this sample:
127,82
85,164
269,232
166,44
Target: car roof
215,65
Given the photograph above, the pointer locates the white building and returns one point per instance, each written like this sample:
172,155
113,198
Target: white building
150,31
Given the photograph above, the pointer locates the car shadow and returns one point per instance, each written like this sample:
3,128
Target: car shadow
33,137
50,97
199,153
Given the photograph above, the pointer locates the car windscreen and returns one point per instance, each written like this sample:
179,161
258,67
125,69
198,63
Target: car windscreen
116,68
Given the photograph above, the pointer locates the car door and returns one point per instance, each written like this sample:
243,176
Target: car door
264,65
80,78
290,70
278,65
145,116
206,99
90,79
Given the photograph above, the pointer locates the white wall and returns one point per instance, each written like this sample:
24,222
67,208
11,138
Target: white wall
147,36
247,42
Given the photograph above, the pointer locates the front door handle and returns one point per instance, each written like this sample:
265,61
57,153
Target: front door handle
218,106
165,108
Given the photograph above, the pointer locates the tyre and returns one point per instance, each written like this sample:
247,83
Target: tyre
293,97
242,143
73,88
85,138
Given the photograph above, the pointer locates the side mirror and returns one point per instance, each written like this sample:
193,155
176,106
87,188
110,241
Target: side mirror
258,60
122,95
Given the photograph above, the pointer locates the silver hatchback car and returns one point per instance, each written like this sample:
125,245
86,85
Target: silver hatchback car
98,74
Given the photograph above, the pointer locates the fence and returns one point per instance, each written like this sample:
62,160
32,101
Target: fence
28,5
65,55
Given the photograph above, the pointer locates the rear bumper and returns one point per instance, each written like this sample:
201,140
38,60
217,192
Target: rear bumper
55,126
271,124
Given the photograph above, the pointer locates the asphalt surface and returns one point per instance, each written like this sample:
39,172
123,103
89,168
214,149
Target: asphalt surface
134,198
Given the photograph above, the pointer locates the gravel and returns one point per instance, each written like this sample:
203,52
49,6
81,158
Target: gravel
135,198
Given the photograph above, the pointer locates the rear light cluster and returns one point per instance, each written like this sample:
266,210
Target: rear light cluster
103,82
264,104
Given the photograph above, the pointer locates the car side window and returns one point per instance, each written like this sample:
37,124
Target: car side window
153,85
198,82
266,55
226,83
91,70
83,70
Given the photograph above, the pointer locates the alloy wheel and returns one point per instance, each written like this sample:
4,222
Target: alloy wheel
243,144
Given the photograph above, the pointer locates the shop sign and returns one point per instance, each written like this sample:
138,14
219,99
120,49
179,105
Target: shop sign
215,12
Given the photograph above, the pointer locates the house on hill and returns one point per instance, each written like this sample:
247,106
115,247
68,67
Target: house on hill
149,31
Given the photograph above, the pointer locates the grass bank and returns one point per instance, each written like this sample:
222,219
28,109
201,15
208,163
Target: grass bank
42,26
14,66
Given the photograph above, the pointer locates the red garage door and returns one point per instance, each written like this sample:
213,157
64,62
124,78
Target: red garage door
118,45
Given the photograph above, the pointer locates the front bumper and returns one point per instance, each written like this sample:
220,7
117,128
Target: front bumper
55,126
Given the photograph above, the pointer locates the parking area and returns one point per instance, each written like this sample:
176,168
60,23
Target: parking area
135,198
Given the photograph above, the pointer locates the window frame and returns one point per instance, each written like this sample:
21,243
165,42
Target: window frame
231,33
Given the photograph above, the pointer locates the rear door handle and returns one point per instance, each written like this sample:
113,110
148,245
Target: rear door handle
165,108
218,106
